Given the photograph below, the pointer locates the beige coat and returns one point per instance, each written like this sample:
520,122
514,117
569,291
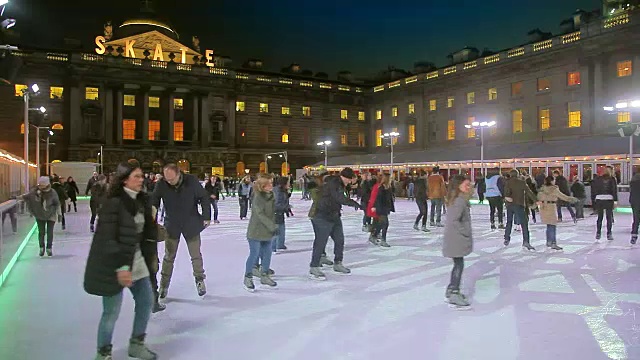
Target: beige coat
549,195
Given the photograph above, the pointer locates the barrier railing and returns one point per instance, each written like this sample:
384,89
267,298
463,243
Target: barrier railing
17,228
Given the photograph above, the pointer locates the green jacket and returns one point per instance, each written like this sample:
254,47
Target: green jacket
315,195
262,224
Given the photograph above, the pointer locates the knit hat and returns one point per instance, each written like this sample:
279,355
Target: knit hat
348,173
44,181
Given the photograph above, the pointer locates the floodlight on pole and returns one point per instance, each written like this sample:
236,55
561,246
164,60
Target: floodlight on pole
392,136
42,109
481,125
325,144
4,2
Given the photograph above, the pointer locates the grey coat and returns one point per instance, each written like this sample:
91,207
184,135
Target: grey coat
43,205
262,224
458,241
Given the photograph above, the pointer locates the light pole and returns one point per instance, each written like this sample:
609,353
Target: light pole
26,95
325,144
101,156
38,128
281,154
392,136
634,130
481,126
47,158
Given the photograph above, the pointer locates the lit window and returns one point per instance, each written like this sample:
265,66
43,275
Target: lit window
516,118
306,111
544,84
412,134
57,126
451,130
264,107
286,110
545,119
361,115
154,102
178,131
22,128
471,133
624,116
394,111
379,137
494,129
378,114
412,108
19,88
240,106
361,141
573,78
432,105
178,104
516,89
575,114
91,93
625,68
450,101
128,129
493,94
285,136
471,98
343,139
344,114
55,92
129,100
154,130
394,140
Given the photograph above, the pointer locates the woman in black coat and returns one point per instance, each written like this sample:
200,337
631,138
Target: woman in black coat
72,193
119,258
383,206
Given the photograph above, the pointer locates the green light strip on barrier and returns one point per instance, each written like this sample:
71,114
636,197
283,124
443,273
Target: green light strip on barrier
15,257
83,197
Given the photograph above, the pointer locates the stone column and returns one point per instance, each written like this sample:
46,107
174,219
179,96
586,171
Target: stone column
119,107
195,118
597,116
75,113
108,117
231,121
170,113
142,103
205,128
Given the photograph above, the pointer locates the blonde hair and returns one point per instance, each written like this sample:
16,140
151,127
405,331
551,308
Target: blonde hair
262,181
385,180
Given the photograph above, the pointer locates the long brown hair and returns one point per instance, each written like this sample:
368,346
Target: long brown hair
385,181
454,188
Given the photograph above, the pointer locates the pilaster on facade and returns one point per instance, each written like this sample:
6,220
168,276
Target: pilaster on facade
76,97
108,115
142,105
169,114
119,108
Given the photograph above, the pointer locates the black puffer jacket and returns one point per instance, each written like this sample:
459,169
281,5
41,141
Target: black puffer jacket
604,185
384,201
115,240
332,198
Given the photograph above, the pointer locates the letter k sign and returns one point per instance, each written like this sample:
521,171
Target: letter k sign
128,51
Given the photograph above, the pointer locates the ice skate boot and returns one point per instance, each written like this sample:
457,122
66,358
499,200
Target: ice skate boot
458,301
201,287
316,274
265,279
339,268
325,261
138,350
415,227
634,239
104,353
610,237
384,244
528,247
424,229
248,283
554,247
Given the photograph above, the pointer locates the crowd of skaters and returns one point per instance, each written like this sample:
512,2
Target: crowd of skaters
128,205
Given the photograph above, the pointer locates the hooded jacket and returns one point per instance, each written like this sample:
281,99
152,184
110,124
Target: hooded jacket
332,198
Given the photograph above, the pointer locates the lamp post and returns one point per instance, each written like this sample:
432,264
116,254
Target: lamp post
26,95
325,144
481,126
635,130
392,136
38,128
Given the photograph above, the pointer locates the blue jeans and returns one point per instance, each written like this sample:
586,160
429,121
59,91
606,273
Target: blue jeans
278,242
517,213
143,297
259,252
551,234
214,204
436,210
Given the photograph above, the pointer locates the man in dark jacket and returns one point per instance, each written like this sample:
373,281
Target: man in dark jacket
366,185
420,189
563,186
578,191
181,194
517,196
327,222
92,180
62,197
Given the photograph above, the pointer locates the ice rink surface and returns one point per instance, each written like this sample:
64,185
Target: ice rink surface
576,304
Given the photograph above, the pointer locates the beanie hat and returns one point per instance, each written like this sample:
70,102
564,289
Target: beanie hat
348,173
44,181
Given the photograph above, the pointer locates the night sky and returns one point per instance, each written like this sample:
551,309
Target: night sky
321,35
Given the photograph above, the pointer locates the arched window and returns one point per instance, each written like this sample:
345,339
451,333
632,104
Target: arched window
284,169
56,161
22,128
285,136
184,166
263,167
57,127
240,168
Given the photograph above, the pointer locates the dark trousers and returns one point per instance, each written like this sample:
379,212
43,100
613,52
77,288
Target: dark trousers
45,227
436,209
602,207
75,206
636,220
324,228
495,205
94,211
560,205
422,207
12,217
518,213
382,225
456,274
62,211
244,206
481,198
